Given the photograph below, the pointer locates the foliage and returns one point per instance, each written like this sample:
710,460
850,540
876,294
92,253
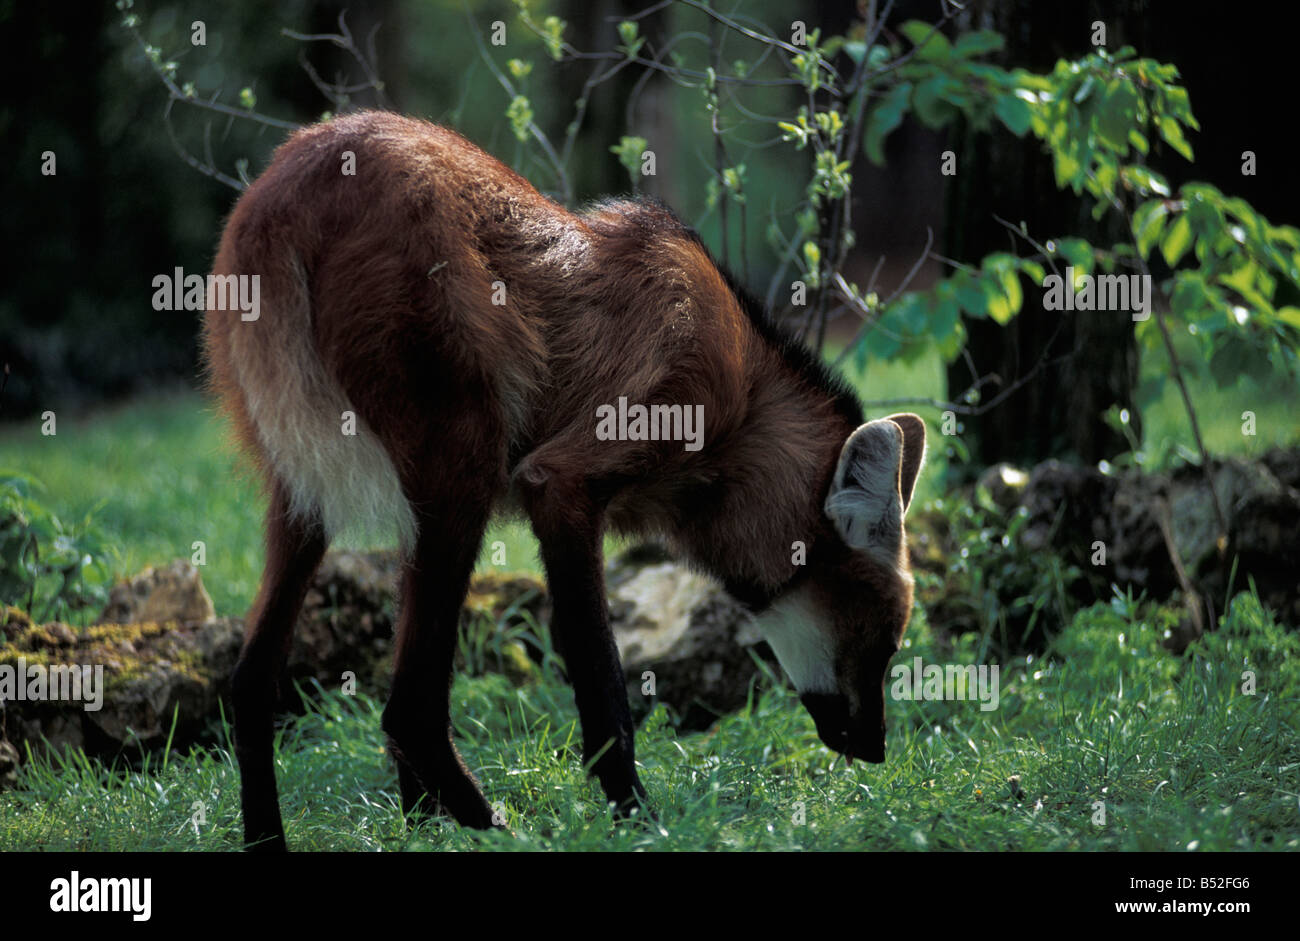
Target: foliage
52,570
1010,597
1229,278
1097,117
1180,756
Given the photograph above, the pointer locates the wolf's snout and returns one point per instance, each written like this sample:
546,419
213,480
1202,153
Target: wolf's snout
852,736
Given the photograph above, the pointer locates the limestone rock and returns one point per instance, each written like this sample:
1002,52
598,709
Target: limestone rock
689,633
172,593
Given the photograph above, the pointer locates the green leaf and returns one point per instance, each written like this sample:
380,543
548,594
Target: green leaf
1011,286
936,46
883,342
878,56
1205,218
1190,297
1001,284
1117,115
930,104
1033,270
1077,252
1173,135
1146,180
970,294
629,151
520,114
1148,224
1177,240
885,118
950,346
944,313
911,312
1236,357
999,308
812,255
981,42
1014,112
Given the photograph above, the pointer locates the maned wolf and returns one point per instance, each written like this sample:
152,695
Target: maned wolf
437,340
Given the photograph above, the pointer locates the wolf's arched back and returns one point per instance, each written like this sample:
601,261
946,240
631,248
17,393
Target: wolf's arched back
436,341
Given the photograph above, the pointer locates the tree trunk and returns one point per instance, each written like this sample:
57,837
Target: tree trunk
1093,362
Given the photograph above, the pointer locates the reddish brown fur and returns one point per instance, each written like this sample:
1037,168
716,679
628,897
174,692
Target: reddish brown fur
481,406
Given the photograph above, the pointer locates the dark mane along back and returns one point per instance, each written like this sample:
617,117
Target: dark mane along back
654,218
798,357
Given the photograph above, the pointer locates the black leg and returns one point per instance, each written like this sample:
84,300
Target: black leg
431,773
294,549
567,523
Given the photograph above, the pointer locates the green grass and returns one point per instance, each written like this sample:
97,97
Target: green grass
1180,756
1272,398
158,475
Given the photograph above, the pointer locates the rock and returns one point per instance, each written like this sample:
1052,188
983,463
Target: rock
347,624
1284,464
62,634
1069,509
1072,507
167,662
1195,524
665,619
1265,539
8,765
174,593
1063,501
1003,485
689,633
184,670
173,671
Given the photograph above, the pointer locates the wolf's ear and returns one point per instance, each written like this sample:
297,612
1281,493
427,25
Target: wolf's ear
864,501
913,428
873,483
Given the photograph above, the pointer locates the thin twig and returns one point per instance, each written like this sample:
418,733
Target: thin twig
849,295
343,39
1221,543
538,134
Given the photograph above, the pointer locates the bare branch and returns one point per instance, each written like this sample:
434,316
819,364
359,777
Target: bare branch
205,167
847,292
539,135
343,39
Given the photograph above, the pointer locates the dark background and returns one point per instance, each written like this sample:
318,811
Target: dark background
81,248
